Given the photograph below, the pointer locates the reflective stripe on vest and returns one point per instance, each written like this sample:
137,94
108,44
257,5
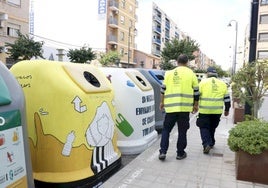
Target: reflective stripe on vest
179,94
211,106
213,92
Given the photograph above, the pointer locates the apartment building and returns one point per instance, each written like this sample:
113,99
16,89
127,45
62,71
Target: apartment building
14,17
121,30
155,28
163,30
262,31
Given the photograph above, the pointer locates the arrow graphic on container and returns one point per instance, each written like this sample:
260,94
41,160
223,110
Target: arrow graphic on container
77,105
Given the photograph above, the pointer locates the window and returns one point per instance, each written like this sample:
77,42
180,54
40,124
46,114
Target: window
264,2
14,2
262,54
122,19
12,30
122,36
263,37
122,51
123,3
264,19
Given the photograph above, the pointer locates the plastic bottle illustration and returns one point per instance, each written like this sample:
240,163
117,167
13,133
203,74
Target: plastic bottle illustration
66,151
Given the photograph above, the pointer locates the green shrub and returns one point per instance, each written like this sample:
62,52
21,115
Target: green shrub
249,136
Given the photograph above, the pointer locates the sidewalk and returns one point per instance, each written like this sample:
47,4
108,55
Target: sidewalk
216,170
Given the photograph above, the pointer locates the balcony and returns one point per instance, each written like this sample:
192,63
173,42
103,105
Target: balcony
113,22
112,39
167,36
157,18
167,26
177,35
157,30
114,5
157,41
156,52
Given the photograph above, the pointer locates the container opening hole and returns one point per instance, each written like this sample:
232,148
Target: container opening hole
141,80
91,79
160,77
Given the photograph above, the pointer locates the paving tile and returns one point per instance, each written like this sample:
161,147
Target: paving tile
216,170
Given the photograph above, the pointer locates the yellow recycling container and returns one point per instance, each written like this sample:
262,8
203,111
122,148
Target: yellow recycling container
135,108
15,162
71,122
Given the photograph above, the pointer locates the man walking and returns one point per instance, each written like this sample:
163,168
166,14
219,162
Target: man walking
179,97
213,95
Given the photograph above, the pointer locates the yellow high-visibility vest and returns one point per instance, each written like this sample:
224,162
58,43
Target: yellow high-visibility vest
212,94
179,94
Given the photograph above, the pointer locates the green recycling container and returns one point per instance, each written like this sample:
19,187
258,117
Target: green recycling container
15,162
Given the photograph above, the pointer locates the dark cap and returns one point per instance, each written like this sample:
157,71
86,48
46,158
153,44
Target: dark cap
211,72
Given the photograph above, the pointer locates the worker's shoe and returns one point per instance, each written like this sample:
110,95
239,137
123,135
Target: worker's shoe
162,156
206,149
180,157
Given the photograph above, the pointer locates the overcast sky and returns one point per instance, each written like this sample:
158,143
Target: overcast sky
204,20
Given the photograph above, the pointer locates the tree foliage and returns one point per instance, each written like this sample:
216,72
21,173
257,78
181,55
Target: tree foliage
81,55
250,84
221,73
109,58
24,48
174,48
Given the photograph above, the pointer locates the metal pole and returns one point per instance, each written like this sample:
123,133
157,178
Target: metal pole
128,47
253,30
235,48
235,45
252,40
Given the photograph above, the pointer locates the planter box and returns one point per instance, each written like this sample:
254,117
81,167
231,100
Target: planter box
239,112
252,168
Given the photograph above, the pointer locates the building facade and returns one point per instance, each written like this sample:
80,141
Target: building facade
262,31
147,61
163,30
14,17
121,30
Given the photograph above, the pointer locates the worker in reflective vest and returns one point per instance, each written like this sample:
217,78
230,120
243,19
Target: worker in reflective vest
214,98
179,97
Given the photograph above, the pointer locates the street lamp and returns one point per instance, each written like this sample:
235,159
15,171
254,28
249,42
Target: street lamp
128,46
235,45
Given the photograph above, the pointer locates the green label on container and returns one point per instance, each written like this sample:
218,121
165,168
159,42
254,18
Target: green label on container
12,154
4,93
10,119
124,126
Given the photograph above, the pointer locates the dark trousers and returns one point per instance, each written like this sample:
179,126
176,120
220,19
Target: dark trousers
182,120
207,124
